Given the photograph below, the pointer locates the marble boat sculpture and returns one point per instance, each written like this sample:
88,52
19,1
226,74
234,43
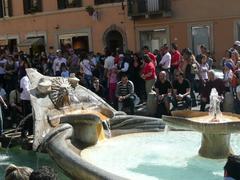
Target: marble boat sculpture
69,118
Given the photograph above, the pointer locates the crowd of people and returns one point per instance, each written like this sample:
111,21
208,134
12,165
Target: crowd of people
123,79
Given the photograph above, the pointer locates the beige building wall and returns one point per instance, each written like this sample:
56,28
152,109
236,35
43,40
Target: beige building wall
53,22
220,15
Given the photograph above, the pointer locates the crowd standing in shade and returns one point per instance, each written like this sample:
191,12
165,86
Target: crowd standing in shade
180,78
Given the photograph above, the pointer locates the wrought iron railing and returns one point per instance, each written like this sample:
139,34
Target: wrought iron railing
149,7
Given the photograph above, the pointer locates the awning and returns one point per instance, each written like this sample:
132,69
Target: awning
30,42
3,42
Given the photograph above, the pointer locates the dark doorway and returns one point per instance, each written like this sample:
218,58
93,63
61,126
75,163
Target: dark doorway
80,44
12,45
114,40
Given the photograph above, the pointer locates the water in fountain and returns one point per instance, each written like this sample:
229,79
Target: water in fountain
155,156
107,126
30,159
214,110
17,128
166,129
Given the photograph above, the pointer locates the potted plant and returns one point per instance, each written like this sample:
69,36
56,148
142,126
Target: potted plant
90,10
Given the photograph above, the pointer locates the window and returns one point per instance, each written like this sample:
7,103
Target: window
32,6
63,4
200,36
238,31
154,39
5,8
106,1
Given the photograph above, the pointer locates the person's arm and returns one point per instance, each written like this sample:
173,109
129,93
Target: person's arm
238,94
3,102
188,90
125,68
54,66
117,91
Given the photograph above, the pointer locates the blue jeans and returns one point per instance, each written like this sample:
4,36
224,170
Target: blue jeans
88,80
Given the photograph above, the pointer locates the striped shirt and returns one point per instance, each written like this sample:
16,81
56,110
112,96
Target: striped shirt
124,90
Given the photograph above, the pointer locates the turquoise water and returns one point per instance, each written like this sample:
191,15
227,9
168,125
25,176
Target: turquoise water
31,159
170,156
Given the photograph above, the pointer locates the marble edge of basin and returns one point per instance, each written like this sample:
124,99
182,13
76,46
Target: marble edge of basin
182,120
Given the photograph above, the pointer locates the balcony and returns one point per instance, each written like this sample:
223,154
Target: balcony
98,2
149,8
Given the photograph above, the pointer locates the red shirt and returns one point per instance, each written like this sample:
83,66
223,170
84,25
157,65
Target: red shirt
153,58
176,57
149,67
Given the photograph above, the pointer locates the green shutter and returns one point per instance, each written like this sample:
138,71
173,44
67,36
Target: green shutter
26,6
61,4
10,9
39,5
78,3
1,9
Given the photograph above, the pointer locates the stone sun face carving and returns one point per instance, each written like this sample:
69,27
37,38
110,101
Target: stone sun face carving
60,94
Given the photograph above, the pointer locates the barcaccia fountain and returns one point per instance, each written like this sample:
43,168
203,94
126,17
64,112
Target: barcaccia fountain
89,139
69,118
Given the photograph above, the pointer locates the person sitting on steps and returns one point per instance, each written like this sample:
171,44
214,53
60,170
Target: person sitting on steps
163,89
125,94
181,91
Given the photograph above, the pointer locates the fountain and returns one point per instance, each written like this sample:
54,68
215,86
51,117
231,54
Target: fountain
216,128
69,121
69,118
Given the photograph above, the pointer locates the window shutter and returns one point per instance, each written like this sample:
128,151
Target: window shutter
10,9
26,6
39,5
1,9
78,3
61,4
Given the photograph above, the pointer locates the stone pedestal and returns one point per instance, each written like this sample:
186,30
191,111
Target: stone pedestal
151,103
215,146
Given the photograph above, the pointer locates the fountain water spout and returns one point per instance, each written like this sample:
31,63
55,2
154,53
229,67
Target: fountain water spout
214,109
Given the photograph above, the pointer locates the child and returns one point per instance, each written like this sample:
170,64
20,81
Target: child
112,82
64,71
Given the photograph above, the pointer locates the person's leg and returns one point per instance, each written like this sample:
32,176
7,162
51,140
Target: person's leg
28,124
237,106
129,104
1,122
203,105
188,102
120,106
149,85
174,103
166,102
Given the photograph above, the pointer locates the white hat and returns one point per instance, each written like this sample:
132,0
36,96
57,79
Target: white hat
121,55
237,43
58,51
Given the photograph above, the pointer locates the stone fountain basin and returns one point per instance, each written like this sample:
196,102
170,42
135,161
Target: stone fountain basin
216,136
200,121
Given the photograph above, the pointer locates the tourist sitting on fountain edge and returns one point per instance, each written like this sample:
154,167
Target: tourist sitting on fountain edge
212,82
181,91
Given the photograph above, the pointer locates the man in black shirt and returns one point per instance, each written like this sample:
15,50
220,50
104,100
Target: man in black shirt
181,91
163,89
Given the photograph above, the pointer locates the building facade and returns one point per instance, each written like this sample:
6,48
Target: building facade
58,23
128,24
215,23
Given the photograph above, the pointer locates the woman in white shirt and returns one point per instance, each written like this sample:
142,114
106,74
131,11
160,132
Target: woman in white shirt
87,71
